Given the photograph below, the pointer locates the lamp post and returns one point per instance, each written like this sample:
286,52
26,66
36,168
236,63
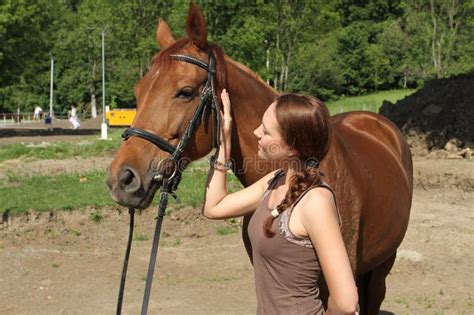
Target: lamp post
103,126
51,112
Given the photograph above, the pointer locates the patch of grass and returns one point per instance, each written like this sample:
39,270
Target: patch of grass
43,193
96,216
78,190
402,301
426,301
226,230
369,102
76,233
176,242
140,237
220,279
55,265
90,146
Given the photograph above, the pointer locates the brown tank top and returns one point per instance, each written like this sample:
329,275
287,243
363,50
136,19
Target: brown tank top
286,267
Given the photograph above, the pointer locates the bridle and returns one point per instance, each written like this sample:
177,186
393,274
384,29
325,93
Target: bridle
208,103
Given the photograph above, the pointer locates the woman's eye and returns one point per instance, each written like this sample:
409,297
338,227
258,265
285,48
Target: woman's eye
185,93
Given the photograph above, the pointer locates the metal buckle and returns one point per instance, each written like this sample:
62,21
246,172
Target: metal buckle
159,176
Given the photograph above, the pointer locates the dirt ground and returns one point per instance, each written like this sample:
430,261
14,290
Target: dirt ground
65,263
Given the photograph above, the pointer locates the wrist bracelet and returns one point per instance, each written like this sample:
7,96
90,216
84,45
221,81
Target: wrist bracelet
223,167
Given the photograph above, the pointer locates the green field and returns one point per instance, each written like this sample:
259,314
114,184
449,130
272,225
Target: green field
88,147
75,191
369,102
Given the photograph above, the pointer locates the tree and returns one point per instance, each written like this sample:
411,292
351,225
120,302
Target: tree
27,32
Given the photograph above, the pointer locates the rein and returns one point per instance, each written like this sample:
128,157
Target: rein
208,102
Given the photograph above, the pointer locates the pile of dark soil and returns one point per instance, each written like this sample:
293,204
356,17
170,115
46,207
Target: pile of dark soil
438,116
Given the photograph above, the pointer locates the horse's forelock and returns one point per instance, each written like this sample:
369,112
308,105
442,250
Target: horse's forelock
221,73
163,60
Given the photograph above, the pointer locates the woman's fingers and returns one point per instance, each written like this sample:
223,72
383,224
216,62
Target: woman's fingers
225,103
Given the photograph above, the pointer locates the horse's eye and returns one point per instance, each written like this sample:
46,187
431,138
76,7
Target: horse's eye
185,93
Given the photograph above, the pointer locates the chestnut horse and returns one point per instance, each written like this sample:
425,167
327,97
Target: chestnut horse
369,163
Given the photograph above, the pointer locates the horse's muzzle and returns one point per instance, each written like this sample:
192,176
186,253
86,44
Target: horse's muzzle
128,190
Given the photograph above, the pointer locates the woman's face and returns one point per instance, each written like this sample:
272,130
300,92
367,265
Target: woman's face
271,145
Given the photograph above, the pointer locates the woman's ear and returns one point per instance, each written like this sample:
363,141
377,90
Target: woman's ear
196,27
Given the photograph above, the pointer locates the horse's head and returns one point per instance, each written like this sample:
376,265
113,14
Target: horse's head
167,99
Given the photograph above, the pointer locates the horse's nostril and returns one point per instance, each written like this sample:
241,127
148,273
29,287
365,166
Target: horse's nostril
127,177
129,180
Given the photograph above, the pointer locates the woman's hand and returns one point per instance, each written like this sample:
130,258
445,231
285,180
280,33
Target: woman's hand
226,123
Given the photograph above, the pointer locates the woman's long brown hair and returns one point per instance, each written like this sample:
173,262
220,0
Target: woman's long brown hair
305,126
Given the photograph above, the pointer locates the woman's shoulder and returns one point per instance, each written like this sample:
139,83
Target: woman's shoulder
321,193
318,202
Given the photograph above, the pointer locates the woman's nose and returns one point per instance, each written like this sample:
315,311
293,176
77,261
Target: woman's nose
256,132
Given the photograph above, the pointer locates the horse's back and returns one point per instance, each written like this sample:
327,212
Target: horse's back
378,184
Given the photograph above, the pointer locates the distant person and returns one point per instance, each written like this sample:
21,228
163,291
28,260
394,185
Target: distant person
37,113
74,119
48,122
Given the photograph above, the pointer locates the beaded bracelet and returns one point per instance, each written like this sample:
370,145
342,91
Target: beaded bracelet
219,166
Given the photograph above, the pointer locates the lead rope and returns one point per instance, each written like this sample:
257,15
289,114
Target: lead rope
131,211
154,247
154,250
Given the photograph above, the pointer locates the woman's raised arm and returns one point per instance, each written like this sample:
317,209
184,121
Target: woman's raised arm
217,203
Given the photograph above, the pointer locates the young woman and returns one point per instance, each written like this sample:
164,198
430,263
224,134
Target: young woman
295,227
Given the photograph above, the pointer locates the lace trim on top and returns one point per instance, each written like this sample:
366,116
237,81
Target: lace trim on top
284,223
284,228
284,217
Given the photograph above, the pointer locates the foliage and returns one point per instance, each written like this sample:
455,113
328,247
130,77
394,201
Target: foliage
322,47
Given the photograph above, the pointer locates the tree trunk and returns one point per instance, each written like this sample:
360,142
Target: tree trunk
455,9
434,53
287,65
276,61
93,92
282,73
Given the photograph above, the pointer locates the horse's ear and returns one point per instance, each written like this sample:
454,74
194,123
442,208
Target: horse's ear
196,27
164,38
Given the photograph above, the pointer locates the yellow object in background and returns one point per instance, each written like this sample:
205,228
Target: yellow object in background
120,117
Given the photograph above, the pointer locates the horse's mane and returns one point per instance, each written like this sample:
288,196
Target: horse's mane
249,72
163,60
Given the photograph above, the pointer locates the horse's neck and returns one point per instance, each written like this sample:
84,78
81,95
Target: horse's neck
250,96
